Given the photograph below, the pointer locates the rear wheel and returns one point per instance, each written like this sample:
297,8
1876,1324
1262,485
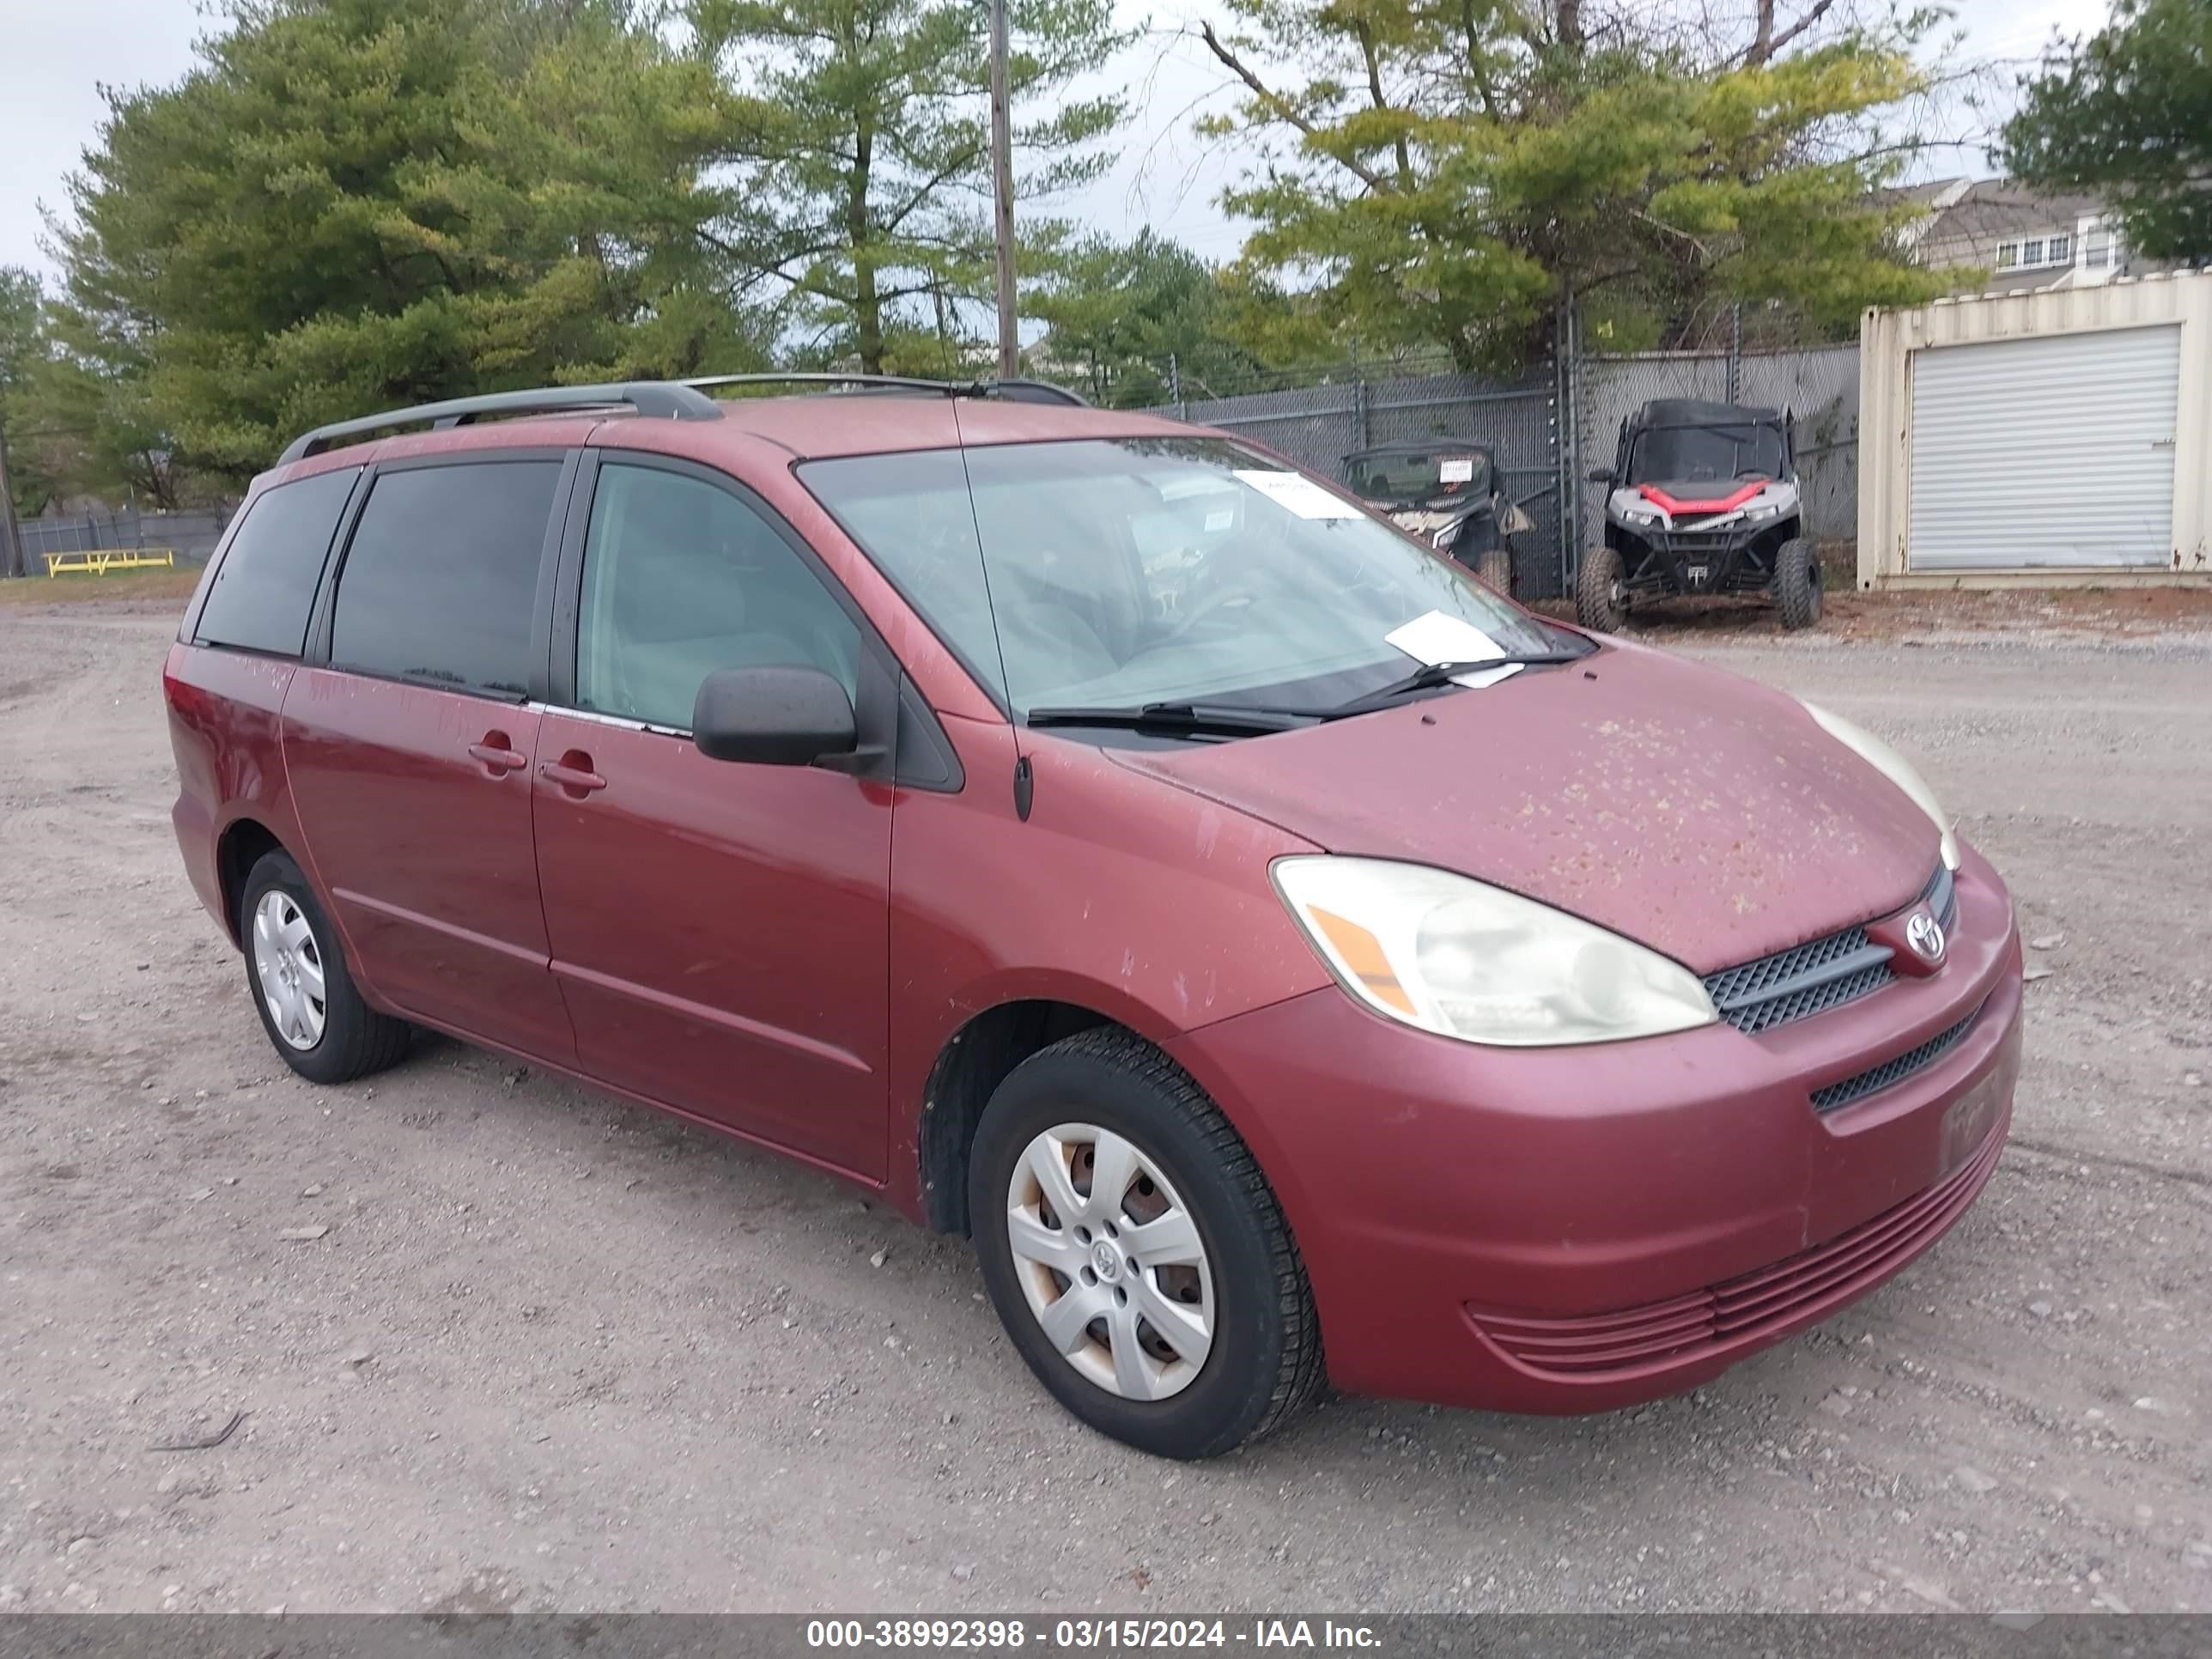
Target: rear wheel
1496,569
313,1015
1135,1252
1797,583
1602,591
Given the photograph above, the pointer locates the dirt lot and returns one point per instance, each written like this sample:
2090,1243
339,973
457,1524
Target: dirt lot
552,1352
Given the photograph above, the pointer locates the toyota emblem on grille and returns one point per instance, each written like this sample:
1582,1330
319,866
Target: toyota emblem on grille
1925,935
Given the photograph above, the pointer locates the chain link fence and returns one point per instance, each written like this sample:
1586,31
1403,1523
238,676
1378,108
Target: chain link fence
192,534
1318,418
1317,426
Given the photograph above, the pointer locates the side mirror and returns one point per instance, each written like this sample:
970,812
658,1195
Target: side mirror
773,717
1600,475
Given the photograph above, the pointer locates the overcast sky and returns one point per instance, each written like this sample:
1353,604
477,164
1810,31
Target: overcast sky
58,55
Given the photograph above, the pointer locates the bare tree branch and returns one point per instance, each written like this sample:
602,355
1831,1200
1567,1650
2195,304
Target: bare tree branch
1282,106
1818,9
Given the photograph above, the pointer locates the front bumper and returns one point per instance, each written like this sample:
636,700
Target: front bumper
1574,1230
1737,559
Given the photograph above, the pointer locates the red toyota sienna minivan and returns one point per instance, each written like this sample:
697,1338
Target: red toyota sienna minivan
1287,959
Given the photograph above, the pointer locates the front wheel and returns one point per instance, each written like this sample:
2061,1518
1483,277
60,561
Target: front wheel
1797,583
1602,591
1135,1252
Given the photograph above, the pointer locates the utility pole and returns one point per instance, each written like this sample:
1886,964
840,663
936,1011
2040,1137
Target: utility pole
13,561
1002,190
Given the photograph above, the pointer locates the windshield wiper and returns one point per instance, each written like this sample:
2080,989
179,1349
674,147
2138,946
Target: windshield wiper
1201,718
1430,675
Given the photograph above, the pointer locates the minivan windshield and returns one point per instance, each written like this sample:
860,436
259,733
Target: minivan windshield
1122,572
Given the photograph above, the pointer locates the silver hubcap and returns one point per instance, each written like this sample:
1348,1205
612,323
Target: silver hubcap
1110,1262
290,965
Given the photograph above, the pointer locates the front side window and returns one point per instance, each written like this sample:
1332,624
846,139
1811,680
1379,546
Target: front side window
440,583
265,585
682,578
1126,571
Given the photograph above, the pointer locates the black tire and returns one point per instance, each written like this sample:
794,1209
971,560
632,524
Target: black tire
355,1039
1601,604
1496,569
1264,1366
1797,583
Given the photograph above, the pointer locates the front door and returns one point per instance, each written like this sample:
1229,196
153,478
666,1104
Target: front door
721,931
408,755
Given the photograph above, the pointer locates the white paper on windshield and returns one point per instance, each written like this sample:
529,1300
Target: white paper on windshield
1298,494
1436,637
1224,520
1459,471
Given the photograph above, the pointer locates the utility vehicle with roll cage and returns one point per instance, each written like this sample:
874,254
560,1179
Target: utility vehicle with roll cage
1704,500
1447,492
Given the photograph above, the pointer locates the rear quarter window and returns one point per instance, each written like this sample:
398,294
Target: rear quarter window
439,584
265,585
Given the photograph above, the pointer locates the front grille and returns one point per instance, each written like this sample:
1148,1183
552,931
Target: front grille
1875,1079
1600,1347
1814,978
1806,978
1940,896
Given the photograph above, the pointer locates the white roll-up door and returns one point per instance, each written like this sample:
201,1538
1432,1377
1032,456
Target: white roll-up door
2054,449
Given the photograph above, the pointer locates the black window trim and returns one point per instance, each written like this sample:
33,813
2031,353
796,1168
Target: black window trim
889,710
188,630
321,617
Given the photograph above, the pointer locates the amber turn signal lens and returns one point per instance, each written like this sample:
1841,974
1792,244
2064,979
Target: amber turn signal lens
1362,956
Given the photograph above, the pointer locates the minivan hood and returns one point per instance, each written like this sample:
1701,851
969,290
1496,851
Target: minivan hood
1700,813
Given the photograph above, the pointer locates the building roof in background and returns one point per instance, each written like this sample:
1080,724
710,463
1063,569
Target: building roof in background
1991,208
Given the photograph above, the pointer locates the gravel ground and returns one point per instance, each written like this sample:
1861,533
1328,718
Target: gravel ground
551,1353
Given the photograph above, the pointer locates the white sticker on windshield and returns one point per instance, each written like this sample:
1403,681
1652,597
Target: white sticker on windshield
1222,520
1298,494
1436,637
1459,471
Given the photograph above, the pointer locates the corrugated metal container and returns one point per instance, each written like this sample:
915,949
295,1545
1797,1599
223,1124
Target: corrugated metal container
2048,437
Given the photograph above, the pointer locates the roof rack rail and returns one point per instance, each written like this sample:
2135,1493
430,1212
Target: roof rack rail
660,398
1019,392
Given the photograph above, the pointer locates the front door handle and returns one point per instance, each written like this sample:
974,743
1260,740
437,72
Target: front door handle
574,773
498,755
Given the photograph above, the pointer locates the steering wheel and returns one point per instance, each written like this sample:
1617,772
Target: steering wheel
1219,599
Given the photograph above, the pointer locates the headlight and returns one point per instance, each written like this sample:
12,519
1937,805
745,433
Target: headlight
1758,511
1640,515
1466,960
1448,535
1894,767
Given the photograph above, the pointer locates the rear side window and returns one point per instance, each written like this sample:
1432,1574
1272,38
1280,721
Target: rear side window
439,584
265,585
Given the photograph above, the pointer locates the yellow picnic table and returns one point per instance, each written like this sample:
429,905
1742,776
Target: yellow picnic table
100,560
